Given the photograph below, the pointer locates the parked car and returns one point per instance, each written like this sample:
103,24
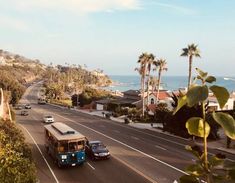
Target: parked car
41,101
18,107
27,106
97,150
48,119
24,113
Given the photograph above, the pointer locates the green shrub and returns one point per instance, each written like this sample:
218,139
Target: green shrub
16,163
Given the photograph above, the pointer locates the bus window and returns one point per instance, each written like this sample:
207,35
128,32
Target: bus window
80,145
47,133
72,146
63,147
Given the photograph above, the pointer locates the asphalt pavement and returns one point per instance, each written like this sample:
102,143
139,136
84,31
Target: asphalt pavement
137,155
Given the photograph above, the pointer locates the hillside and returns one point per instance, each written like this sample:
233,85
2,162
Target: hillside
22,69
17,71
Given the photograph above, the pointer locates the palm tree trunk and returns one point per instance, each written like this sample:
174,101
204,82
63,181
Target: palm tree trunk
148,89
153,86
190,70
159,82
143,92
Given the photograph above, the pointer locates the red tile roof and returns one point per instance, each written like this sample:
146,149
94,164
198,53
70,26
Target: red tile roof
152,107
162,95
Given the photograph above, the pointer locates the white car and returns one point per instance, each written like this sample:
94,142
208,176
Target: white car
48,119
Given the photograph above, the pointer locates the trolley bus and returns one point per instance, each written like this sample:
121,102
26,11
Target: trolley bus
64,144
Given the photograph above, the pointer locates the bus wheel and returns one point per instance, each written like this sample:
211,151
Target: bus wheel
47,149
58,164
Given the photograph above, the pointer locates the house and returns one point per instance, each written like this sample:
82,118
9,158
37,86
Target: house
214,105
102,104
130,98
2,60
232,95
163,97
97,73
134,95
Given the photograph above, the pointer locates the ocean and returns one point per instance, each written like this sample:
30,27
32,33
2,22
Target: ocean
124,83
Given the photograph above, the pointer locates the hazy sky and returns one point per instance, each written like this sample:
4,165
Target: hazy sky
111,34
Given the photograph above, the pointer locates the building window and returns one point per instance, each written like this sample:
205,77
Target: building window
152,101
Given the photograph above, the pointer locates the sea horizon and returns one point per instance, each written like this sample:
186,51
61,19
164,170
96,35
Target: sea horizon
127,82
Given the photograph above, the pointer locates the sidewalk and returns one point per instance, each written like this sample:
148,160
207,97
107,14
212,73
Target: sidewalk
219,144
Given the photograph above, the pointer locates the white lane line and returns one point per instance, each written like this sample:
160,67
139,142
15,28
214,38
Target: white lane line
132,128
35,118
150,135
66,113
218,148
157,146
134,169
135,138
141,152
53,174
93,168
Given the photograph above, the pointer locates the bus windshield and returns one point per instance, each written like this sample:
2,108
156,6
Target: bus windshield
65,146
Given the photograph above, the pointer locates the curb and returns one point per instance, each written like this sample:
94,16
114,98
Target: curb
224,150
154,130
168,134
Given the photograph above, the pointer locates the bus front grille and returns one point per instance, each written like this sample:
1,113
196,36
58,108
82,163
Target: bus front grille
73,158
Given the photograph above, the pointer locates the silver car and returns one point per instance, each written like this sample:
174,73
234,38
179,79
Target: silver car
48,119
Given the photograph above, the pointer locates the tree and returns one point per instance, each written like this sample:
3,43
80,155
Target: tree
150,62
75,100
161,66
153,82
190,52
90,94
214,168
15,156
145,60
9,83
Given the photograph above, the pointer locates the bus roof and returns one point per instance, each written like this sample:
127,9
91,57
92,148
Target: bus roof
63,132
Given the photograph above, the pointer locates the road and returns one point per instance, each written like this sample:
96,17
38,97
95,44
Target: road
136,155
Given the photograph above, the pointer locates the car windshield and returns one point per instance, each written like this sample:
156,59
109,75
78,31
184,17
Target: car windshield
97,145
48,117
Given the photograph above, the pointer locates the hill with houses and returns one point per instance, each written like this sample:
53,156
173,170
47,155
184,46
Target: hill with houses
22,69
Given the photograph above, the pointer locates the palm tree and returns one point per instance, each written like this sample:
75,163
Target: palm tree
143,60
190,52
153,82
161,65
150,62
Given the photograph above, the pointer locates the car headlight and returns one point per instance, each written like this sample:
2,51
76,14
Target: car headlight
108,153
96,154
63,156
